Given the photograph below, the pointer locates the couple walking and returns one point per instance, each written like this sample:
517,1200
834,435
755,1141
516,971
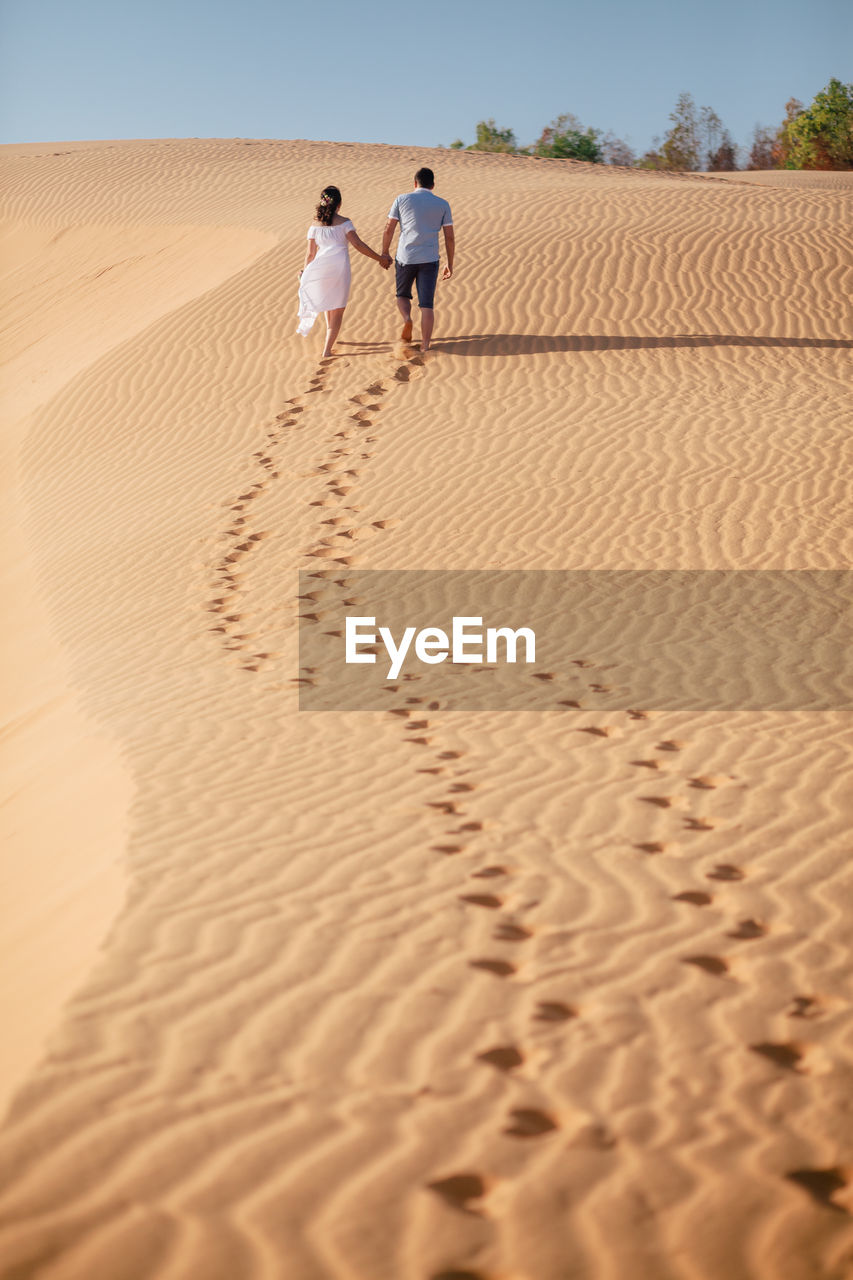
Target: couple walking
324,282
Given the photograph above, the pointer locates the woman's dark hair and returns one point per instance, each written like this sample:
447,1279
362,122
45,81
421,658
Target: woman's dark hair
330,202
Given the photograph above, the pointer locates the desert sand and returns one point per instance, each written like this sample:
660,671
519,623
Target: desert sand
411,995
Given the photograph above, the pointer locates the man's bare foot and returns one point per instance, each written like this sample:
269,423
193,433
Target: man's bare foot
406,331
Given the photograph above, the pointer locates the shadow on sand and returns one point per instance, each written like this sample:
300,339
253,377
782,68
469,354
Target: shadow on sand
526,344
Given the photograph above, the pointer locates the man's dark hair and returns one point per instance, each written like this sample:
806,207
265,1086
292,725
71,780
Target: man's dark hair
425,178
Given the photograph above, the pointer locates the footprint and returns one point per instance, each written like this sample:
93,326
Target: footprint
595,1137
711,964
788,1055
671,744
508,932
748,929
651,846
528,1122
489,873
505,1057
662,802
554,1011
695,898
805,1007
455,1273
447,848
646,764
459,1190
487,900
822,1184
698,824
501,968
726,871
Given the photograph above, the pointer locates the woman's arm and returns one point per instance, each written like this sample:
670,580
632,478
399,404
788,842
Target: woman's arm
357,243
310,253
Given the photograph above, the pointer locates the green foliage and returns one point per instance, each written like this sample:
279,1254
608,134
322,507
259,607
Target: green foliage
821,136
815,137
566,139
491,138
782,146
652,159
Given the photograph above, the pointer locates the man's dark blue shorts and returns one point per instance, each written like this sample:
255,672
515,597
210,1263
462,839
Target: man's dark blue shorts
426,275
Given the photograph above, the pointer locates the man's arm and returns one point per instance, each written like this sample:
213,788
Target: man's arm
388,236
449,249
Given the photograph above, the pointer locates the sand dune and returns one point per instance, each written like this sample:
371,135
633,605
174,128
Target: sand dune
412,995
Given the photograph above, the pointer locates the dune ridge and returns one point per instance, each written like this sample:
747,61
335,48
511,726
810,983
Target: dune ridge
408,995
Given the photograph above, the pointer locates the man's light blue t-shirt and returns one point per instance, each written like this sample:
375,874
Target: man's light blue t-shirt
421,215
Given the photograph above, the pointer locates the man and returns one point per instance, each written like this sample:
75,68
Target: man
420,215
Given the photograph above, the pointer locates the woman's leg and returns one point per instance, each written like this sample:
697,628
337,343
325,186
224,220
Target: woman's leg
333,328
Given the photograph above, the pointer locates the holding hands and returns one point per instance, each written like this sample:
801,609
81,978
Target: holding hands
385,261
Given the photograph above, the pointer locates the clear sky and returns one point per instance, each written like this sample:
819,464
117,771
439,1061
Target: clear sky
414,75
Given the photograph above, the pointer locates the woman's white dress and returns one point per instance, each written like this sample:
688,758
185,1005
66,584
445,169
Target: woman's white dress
325,282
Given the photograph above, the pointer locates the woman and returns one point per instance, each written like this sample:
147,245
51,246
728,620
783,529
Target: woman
324,281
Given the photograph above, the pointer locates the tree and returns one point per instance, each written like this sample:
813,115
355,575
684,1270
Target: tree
617,152
457,145
710,132
761,152
653,158
491,138
566,139
724,158
680,148
821,136
782,145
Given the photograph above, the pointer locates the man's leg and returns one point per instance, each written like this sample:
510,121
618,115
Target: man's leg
427,280
405,274
427,320
404,306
